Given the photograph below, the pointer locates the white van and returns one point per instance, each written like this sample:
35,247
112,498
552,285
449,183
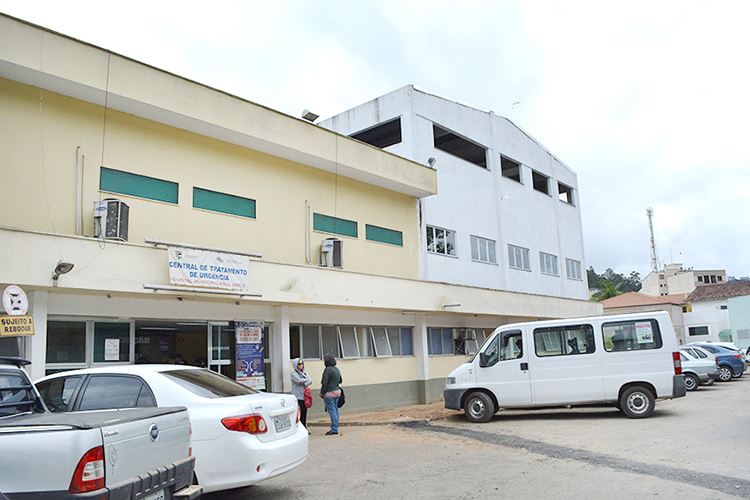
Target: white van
628,360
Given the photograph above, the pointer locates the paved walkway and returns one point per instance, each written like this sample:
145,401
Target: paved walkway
414,413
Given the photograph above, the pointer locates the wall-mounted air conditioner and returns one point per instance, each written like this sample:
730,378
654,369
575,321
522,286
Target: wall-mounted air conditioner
111,219
331,252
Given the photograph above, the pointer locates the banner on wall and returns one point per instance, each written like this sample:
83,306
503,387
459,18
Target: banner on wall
192,267
249,354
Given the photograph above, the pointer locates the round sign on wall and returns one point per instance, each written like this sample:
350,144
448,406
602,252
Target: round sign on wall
15,301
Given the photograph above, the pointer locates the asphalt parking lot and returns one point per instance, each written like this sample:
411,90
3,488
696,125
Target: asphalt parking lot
691,448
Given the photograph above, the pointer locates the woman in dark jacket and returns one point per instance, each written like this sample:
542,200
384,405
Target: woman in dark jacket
330,391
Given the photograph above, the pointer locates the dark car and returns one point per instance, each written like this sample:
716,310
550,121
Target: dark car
730,362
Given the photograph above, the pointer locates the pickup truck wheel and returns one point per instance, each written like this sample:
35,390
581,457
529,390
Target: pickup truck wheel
725,373
691,382
479,407
637,402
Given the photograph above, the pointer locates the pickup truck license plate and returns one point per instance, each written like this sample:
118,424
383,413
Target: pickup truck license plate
159,495
283,423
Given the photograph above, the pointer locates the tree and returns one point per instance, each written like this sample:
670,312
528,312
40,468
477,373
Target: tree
732,279
607,290
630,284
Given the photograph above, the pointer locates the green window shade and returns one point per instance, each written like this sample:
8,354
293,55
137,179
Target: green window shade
383,235
224,203
141,186
334,225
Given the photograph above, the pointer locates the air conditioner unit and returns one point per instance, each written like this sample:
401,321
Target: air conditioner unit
331,252
111,219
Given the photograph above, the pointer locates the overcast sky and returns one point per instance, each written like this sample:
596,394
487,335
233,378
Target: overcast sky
646,101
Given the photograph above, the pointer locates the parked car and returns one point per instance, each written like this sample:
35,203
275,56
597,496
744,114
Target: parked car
731,363
99,455
240,436
698,371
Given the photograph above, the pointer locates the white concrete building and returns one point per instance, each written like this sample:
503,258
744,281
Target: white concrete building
507,214
719,313
674,279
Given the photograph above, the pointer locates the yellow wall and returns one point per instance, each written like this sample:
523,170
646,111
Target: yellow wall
42,130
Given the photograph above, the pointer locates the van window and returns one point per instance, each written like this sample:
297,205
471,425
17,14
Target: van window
564,340
631,335
504,346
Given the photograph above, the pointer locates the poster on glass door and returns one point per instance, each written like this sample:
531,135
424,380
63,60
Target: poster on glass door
249,351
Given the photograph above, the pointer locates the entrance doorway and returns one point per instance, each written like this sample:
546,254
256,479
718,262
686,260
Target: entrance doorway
162,341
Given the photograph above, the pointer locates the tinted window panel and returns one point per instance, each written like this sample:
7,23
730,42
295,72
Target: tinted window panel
58,392
106,392
208,384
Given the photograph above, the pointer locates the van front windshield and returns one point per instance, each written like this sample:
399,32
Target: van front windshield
481,348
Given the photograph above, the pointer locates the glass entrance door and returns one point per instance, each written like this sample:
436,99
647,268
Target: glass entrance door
221,348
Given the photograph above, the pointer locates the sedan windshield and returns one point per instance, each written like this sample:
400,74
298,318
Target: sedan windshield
208,384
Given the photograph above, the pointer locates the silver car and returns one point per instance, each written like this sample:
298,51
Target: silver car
698,370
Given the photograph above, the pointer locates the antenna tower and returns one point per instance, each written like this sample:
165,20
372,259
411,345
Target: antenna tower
654,258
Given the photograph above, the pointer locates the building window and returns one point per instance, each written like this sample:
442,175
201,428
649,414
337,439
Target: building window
383,235
441,241
723,308
483,250
565,193
314,341
140,186
440,341
223,203
574,269
548,264
518,258
540,181
111,342
334,225
66,342
700,279
382,135
510,168
698,330
459,147
718,278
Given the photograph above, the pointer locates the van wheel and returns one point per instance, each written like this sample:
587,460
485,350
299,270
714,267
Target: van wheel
637,402
479,408
725,373
691,382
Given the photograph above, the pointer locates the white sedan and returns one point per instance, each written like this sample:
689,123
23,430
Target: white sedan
240,436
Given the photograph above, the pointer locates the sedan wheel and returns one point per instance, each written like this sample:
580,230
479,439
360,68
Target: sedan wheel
725,374
691,382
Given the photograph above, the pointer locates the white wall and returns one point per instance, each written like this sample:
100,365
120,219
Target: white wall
707,313
467,199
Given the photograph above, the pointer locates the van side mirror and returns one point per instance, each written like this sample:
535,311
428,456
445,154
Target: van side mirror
482,360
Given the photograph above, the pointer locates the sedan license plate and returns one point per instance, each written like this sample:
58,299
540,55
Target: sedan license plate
283,423
159,495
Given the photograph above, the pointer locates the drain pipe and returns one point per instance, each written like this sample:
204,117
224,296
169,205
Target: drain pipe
307,233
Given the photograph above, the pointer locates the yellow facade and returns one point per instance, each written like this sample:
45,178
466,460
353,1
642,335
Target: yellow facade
47,130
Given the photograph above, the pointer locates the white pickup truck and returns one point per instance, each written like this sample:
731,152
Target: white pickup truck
134,454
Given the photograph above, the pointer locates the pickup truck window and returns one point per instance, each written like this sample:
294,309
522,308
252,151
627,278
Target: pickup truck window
110,391
15,394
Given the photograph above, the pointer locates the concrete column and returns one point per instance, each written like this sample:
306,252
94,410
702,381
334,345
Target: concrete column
280,362
35,346
419,339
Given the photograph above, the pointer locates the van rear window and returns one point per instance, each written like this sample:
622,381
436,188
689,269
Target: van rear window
631,335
